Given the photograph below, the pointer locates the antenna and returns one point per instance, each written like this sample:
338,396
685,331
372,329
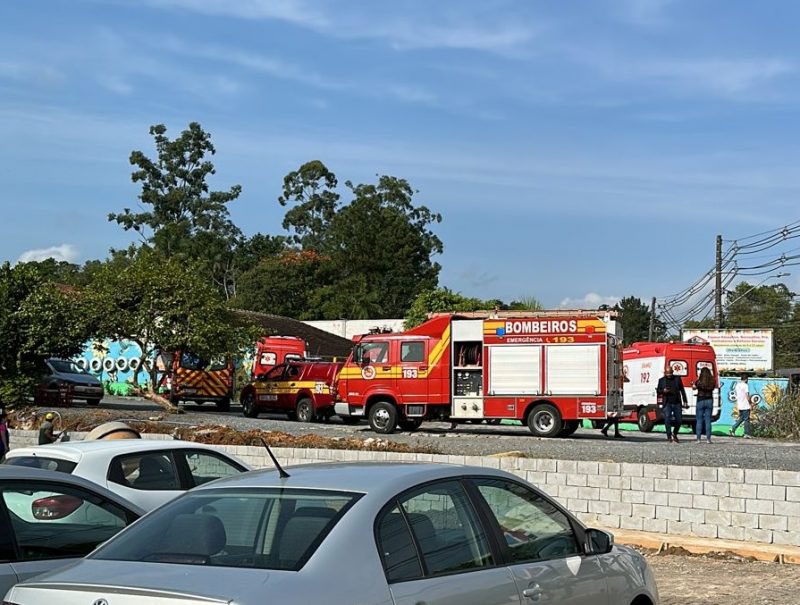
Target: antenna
281,473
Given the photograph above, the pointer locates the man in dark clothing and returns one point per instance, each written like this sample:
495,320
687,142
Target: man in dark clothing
673,398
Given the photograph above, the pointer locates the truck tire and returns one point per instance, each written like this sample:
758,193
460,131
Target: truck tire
410,424
249,408
545,420
570,426
383,417
305,410
224,405
643,420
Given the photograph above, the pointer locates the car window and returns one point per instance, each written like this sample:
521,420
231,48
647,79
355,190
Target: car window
150,471
374,352
412,351
207,466
275,373
533,528
52,521
49,464
66,366
226,527
445,529
396,547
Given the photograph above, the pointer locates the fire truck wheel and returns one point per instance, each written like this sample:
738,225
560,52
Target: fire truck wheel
224,405
383,417
570,426
249,408
643,420
411,424
545,420
305,410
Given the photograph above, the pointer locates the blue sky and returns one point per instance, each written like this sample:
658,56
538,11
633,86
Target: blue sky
579,151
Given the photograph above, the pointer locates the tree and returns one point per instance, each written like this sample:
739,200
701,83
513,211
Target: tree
178,214
636,321
38,319
312,188
164,304
441,300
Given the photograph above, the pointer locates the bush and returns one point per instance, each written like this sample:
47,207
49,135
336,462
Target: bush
16,390
781,420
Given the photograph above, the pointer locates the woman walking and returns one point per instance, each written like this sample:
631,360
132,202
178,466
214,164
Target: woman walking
705,385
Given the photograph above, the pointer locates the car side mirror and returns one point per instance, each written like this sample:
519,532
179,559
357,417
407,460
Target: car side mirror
365,360
598,542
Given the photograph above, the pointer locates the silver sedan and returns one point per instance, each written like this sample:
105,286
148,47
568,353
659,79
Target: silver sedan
350,534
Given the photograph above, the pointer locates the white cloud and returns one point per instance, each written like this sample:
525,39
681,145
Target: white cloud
292,11
64,252
591,301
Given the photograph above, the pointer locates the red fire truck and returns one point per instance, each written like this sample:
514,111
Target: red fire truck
644,364
274,350
549,369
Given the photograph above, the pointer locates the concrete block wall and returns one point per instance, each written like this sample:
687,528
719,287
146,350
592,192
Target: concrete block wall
752,505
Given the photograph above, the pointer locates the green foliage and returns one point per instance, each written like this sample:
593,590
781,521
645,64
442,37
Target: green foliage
780,420
526,303
180,216
441,300
38,319
636,321
165,304
312,189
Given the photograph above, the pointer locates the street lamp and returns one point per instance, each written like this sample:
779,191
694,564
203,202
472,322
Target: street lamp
746,292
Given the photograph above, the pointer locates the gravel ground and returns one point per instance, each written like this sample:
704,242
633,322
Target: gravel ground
468,439
687,580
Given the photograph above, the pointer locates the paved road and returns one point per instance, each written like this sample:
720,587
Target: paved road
468,439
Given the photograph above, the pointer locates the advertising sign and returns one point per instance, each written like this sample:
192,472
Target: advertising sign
737,350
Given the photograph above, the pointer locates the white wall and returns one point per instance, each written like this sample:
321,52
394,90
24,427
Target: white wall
347,328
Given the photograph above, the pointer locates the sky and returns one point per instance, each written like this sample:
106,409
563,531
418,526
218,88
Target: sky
578,151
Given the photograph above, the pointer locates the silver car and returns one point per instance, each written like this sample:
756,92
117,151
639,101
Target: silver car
355,534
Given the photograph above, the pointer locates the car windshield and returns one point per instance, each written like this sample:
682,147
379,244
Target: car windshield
266,528
49,464
65,366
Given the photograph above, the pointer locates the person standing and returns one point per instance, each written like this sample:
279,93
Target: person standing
742,390
705,385
673,397
4,446
46,434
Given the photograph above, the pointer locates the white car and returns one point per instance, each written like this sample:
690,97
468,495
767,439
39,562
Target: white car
143,471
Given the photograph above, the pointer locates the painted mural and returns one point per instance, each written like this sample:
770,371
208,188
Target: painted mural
764,392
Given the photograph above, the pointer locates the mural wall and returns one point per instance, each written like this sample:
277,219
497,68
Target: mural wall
764,392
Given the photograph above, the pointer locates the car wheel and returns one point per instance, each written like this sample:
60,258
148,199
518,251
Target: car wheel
570,426
93,401
224,405
545,420
249,408
410,424
305,410
350,420
643,420
383,417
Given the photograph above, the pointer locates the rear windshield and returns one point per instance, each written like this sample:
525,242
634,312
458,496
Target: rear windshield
48,464
259,528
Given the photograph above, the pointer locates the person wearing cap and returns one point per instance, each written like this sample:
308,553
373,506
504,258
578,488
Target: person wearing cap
46,434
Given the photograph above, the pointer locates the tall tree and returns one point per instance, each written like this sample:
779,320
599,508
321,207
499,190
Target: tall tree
178,215
636,321
312,189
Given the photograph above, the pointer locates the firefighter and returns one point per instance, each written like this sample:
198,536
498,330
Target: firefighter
46,434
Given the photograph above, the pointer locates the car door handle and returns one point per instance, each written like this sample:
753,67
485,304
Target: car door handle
533,592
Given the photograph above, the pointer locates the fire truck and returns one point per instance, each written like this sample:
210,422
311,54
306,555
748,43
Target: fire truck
644,364
548,369
274,350
189,377
303,390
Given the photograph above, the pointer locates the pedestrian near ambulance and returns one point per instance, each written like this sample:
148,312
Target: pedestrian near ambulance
705,385
673,398
742,390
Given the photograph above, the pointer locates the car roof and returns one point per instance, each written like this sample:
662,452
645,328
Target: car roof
18,473
76,450
380,478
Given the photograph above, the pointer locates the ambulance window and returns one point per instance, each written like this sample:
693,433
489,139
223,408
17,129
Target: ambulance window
412,351
679,367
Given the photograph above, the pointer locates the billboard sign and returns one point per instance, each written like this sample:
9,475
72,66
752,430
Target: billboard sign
737,350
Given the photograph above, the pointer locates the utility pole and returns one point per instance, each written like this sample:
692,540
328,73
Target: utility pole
718,284
651,331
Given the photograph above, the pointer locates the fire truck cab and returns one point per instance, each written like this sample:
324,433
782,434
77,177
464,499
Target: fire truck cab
548,369
644,364
274,350
302,390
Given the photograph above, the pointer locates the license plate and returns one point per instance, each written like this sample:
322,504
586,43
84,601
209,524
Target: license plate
189,391
268,397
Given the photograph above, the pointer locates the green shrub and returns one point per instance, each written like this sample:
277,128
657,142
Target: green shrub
780,420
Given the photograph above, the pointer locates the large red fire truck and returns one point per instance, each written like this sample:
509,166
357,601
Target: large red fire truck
549,369
644,364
